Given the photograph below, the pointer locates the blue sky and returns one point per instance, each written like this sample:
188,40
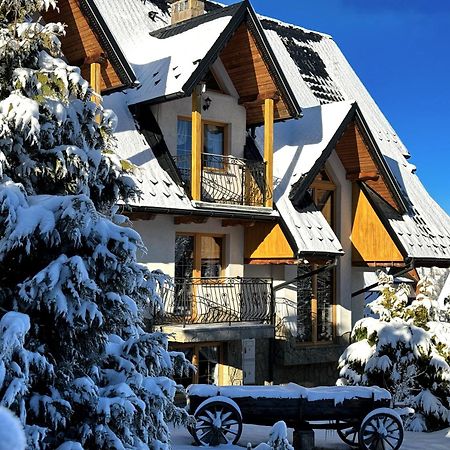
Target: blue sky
401,51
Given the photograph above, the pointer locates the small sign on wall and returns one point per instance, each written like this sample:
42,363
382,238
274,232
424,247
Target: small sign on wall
249,360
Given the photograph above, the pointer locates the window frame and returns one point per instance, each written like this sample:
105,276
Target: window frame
197,257
195,347
326,185
226,139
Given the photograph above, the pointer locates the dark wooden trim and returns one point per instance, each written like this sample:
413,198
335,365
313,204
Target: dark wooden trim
278,261
238,222
139,215
180,220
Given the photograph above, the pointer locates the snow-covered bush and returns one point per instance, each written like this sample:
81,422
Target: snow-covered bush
404,347
278,439
12,436
76,365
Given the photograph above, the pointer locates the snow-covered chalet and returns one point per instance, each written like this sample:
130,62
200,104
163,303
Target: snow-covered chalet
273,187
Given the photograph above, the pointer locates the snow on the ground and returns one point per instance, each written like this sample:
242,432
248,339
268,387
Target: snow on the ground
439,440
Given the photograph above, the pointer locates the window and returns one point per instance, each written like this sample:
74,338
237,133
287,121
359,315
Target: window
184,149
315,306
198,255
316,294
214,144
206,358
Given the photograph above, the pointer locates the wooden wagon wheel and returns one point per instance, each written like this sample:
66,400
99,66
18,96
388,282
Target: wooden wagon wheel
217,423
349,435
381,431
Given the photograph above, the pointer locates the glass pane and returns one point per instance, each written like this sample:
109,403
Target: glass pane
304,313
213,144
184,148
325,300
208,361
184,267
184,256
211,256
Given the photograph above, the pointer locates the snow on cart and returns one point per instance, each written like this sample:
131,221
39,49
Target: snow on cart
361,416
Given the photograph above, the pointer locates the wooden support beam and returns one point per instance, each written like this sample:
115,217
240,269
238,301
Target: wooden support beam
363,176
237,222
278,261
139,215
268,145
95,76
196,163
180,220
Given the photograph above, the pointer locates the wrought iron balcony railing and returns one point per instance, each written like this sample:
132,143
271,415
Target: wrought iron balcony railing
228,179
216,300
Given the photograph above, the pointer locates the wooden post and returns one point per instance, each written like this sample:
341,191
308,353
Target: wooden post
96,80
196,163
268,147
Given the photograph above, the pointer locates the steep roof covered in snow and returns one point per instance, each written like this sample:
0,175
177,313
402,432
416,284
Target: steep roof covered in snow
317,73
170,61
314,64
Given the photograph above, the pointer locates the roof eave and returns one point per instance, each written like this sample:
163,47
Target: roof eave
299,189
381,162
109,44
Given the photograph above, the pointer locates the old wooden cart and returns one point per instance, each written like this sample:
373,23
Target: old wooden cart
361,415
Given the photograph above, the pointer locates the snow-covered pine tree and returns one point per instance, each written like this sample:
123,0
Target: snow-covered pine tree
75,363
404,347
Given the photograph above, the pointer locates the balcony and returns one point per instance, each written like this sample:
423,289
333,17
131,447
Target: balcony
204,301
229,180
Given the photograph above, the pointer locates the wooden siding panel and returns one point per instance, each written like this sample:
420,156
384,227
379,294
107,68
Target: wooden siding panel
266,241
250,75
371,242
80,43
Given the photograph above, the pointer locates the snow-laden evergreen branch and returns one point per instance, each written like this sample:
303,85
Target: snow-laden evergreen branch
76,363
404,346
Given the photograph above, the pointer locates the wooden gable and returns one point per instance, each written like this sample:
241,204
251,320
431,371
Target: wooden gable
360,164
80,45
266,243
371,242
251,77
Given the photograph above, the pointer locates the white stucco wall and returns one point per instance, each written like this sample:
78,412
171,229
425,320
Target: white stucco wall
158,236
224,109
343,231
